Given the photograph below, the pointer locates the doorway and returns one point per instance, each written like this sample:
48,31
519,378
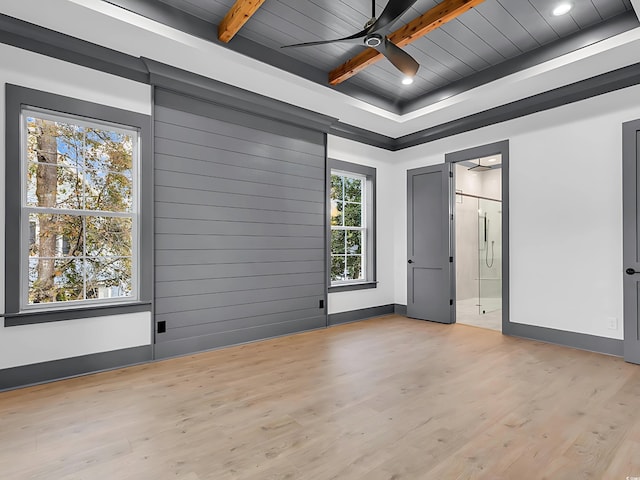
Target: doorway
480,235
431,240
478,244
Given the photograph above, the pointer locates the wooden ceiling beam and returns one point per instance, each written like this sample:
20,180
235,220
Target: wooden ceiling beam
236,17
436,17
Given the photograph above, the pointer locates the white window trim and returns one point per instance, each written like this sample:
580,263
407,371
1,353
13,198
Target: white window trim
355,169
364,228
25,210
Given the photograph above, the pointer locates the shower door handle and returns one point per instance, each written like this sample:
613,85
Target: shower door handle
630,271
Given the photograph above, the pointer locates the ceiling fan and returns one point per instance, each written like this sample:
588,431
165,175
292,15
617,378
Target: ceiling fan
374,35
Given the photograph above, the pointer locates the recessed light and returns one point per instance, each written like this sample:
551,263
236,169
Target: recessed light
407,80
562,9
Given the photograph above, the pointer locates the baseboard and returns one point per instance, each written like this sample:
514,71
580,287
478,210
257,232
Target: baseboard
361,314
36,373
399,309
203,343
581,341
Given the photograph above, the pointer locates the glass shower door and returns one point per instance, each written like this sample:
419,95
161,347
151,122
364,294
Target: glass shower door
489,255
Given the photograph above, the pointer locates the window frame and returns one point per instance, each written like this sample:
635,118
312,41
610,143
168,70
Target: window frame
21,101
369,216
27,210
364,222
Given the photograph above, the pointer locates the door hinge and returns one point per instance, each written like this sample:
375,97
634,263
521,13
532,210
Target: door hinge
452,216
450,174
450,259
451,301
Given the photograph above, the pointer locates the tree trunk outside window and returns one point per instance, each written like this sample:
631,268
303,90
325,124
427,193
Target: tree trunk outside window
46,190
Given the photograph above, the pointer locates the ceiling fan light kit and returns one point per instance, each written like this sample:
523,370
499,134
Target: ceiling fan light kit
373,40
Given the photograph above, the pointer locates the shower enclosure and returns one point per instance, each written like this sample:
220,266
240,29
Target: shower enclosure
478,242
489,255
478,254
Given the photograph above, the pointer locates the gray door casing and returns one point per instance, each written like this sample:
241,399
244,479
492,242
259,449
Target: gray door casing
430,285
631,238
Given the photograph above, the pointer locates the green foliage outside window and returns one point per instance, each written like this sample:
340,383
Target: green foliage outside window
347,228
79,199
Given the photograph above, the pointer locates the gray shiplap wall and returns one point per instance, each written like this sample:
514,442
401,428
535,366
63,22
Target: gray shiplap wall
240,226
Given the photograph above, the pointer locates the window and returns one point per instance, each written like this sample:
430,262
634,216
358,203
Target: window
348,227
352,220
78,240
79,203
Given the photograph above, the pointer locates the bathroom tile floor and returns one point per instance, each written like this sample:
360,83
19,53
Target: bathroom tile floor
467,313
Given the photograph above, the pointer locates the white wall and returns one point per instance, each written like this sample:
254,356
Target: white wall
384,294
44,342
566,211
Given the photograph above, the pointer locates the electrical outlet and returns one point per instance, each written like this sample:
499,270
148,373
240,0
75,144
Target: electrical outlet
612,323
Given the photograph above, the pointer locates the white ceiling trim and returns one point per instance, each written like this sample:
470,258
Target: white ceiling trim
636,6
97,21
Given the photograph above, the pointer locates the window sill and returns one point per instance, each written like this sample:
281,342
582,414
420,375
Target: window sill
61,314
352,286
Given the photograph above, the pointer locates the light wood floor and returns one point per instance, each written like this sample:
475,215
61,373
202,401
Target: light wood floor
389,398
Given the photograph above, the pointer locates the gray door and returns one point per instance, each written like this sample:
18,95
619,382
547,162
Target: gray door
429,267
631,239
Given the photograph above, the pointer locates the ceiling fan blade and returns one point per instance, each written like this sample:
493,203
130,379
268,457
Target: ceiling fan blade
355,38
399,58
392,12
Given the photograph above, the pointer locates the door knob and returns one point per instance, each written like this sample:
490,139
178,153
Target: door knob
410,261
630,271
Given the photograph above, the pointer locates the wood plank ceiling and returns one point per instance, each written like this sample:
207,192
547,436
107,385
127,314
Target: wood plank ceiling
481,38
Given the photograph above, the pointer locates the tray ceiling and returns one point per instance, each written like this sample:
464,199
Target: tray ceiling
476,44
